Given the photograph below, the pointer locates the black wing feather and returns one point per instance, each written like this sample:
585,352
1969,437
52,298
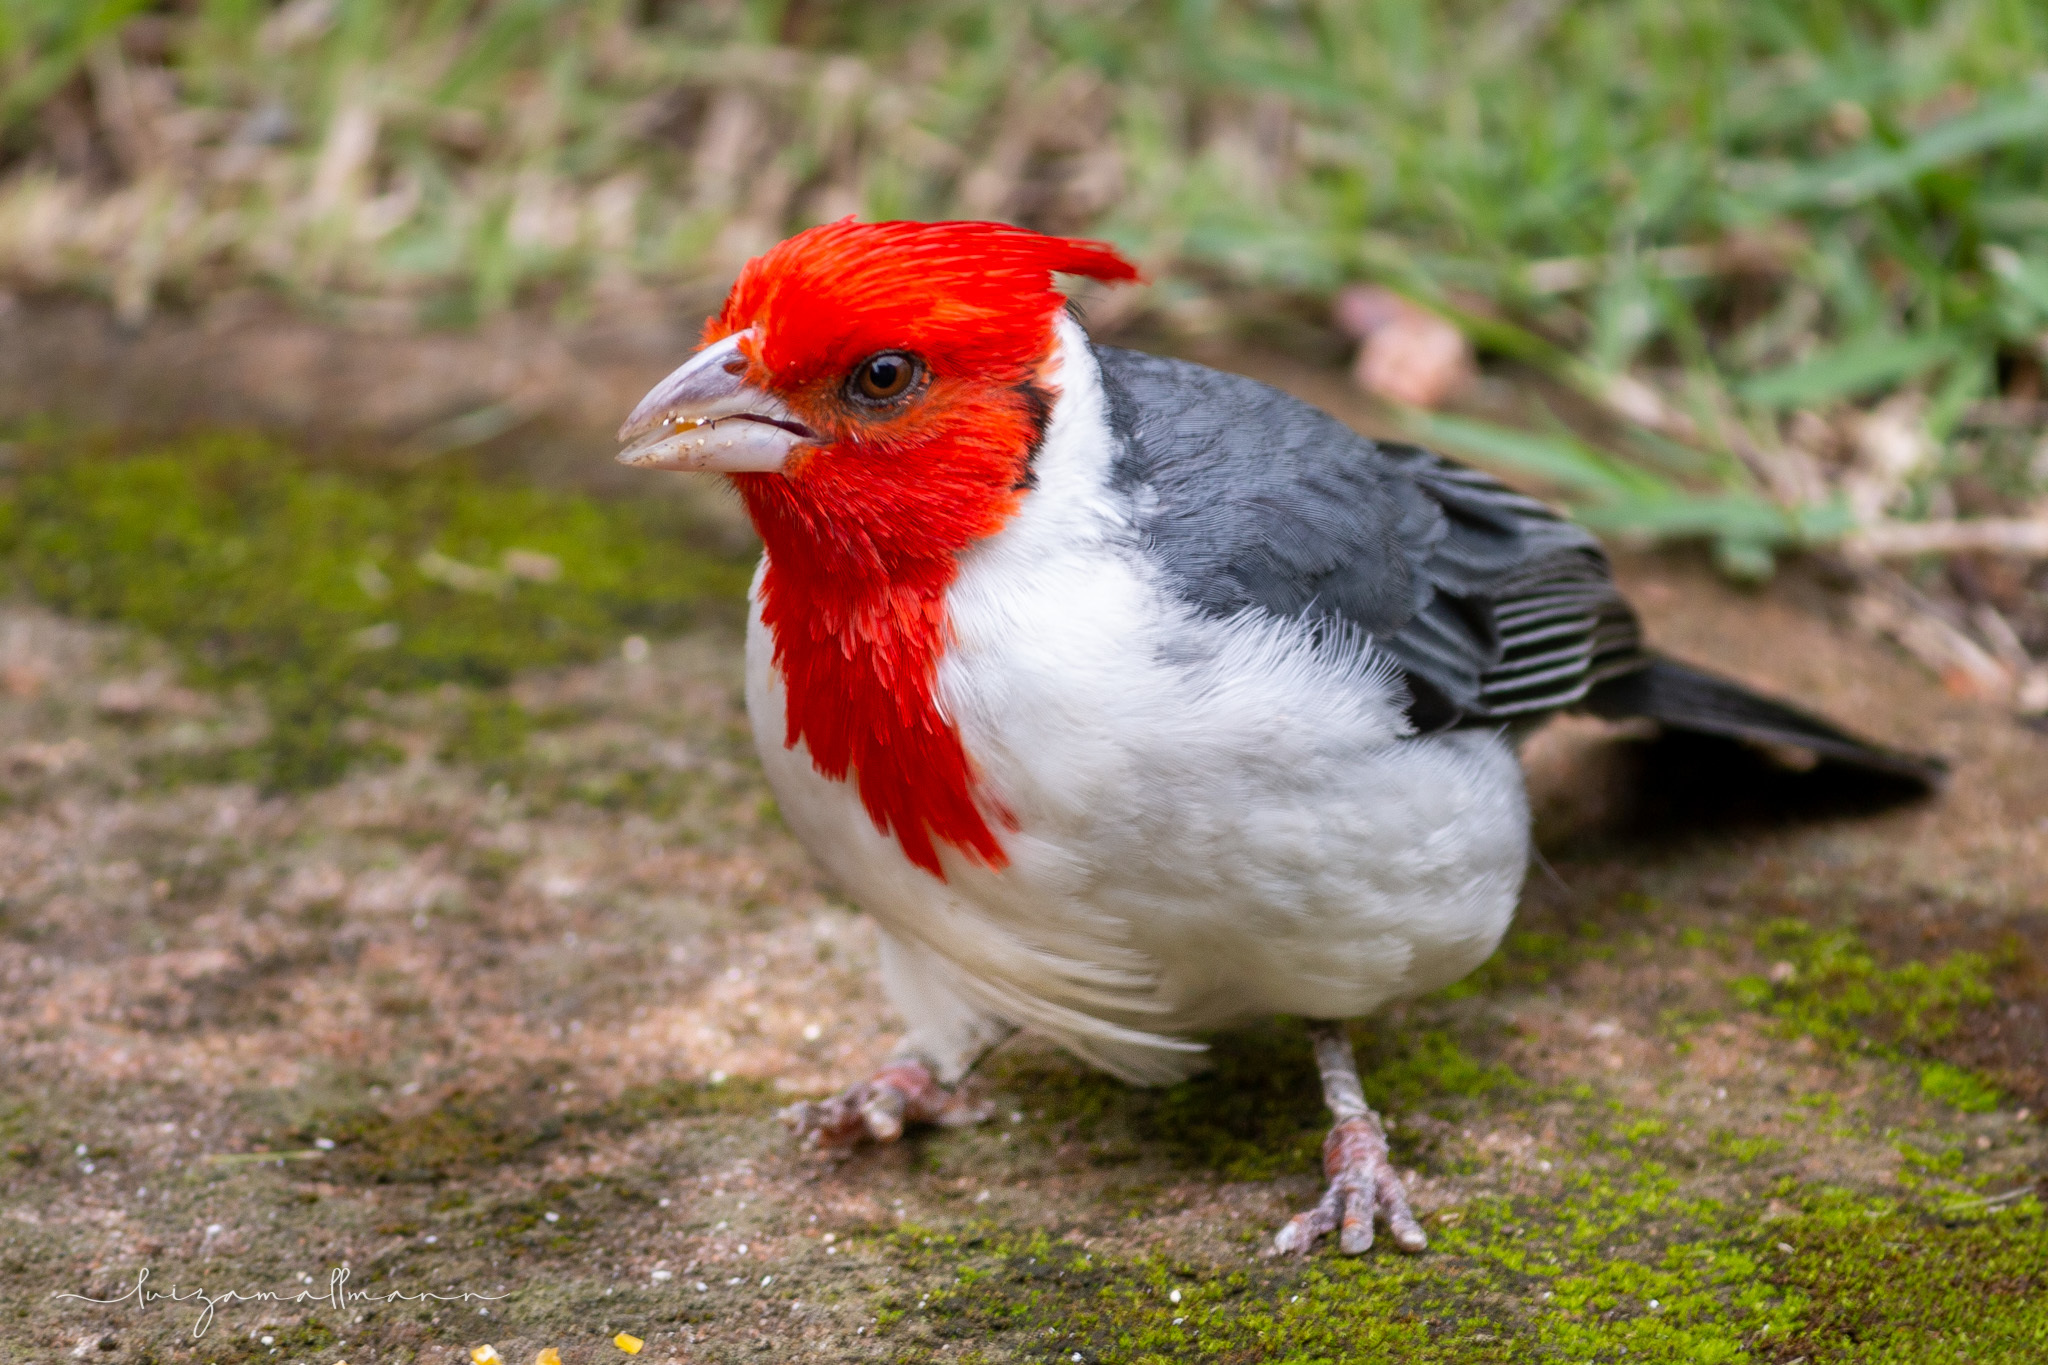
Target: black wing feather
1492,605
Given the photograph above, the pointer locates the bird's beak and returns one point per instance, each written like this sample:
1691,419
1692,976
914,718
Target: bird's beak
705,416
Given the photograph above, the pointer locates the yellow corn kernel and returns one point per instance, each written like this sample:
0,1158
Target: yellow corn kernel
628,1343
486,1355
548,1356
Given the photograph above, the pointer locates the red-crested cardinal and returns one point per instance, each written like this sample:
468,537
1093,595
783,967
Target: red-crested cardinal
1134,699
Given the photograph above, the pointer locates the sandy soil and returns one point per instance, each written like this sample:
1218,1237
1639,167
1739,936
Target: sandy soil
467,1039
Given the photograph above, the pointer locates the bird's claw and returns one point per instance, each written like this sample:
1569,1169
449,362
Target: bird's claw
878,1109
1363,1186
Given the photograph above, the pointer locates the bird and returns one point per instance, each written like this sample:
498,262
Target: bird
1136,701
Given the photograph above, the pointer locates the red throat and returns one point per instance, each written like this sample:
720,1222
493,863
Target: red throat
863,534
860,624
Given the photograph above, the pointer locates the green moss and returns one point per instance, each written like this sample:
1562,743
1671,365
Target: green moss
1827,985
21,1135
1257,1111
1526,958
614,780
1534,954
1877,1283
1421,1069
317,586
491,734
639,1105
459,1137
1917,1167
522,1225
469,1133
1957,1088
1742,1149
1641,1130
1611,1269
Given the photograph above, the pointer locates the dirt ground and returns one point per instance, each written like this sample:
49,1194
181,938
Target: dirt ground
420,1034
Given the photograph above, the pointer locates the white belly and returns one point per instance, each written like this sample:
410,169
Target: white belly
1215,822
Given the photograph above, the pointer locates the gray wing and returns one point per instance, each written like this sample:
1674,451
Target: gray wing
1492,605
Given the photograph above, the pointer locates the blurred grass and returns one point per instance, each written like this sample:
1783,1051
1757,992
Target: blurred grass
321,587
1707,218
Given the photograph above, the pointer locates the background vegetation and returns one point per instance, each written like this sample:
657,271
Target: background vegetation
1794,253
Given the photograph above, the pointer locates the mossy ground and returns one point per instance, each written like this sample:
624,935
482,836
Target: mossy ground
1606,1269
502,1004
326,589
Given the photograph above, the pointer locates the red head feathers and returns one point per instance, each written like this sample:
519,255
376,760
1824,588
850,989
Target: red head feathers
975,300
907,359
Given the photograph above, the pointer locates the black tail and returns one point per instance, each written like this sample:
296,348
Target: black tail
1681,697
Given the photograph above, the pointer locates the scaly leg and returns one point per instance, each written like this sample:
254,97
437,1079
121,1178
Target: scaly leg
903,1092
948,1035
1363,1182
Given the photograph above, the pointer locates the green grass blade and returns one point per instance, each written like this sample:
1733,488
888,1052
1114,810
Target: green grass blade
1561,460
1857,367
1870,171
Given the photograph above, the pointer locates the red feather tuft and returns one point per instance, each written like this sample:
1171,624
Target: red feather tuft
863,534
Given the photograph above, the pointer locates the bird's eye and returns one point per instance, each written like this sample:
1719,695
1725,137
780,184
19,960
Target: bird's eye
881,378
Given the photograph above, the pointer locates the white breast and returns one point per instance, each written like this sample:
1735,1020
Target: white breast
1217,819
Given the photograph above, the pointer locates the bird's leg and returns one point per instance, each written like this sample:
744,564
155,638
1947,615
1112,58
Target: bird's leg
878,1109
948,1035
1363,1182
906,1090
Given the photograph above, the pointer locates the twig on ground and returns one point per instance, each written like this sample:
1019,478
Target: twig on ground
1988,1201
1887,605
2026,536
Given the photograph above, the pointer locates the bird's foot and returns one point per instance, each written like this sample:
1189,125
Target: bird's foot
1363,1186
878,1109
